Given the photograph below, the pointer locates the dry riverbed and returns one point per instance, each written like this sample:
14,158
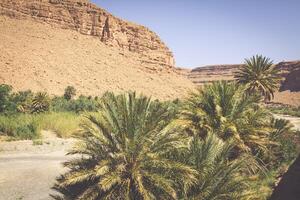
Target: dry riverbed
28,169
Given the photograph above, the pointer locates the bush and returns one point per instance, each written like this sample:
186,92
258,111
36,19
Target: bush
60,104
5,91
20,126
25,126
82,104
70,92
63,124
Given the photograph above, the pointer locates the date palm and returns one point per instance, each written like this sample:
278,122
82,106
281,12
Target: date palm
125,153
220,177
259,75
40,103
286,143
223,108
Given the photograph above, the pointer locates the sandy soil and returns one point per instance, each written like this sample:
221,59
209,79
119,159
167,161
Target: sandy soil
28,171
42,57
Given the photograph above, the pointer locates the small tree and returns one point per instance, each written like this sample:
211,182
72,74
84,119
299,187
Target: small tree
40,103
70,92
5,91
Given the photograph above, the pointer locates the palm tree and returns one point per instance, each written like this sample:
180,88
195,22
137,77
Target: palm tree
40,103
223,108
285,140
220,177
125,153
259,75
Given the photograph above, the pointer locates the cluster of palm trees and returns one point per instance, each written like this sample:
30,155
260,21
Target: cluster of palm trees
207,147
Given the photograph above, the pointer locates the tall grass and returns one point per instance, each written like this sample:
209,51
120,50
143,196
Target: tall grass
25,126
20,126
62,123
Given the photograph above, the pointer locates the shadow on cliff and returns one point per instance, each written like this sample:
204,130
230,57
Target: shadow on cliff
292,82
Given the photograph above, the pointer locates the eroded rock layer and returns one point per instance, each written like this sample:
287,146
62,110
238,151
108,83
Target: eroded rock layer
88,19
289,92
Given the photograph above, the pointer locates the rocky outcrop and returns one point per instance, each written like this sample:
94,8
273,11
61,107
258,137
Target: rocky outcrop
289,92
88,19
289,72
207,74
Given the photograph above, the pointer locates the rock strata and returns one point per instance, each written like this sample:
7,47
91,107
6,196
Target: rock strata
289,92
88,19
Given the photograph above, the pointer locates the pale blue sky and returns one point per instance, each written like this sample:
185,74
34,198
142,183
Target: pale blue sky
202,32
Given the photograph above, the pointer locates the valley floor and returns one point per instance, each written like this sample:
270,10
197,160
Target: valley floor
28,169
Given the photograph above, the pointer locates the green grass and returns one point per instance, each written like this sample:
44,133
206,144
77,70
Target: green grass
26,126
20,127
64,124
37,142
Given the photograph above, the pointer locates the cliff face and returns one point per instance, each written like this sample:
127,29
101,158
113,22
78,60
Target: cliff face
88,19
47,45
290,71
207,74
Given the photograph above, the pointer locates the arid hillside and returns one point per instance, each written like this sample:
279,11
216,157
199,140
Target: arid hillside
47,45
290,86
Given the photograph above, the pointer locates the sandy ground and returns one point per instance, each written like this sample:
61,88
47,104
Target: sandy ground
42,57
28,171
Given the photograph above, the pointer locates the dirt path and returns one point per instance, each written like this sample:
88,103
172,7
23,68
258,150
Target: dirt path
28,171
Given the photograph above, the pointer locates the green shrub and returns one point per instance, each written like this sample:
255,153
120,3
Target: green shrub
37,142
63,124
5,91
60,104
25,126
20,126
82,104
70,92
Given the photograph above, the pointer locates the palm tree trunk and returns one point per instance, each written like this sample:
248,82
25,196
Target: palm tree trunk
289,186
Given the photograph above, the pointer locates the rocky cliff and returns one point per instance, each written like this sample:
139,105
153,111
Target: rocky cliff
47,45
290,71
88,19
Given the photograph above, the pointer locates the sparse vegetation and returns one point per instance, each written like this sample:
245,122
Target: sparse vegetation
37,142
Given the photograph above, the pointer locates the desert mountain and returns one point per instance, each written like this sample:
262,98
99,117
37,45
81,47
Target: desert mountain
290,86
47,45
